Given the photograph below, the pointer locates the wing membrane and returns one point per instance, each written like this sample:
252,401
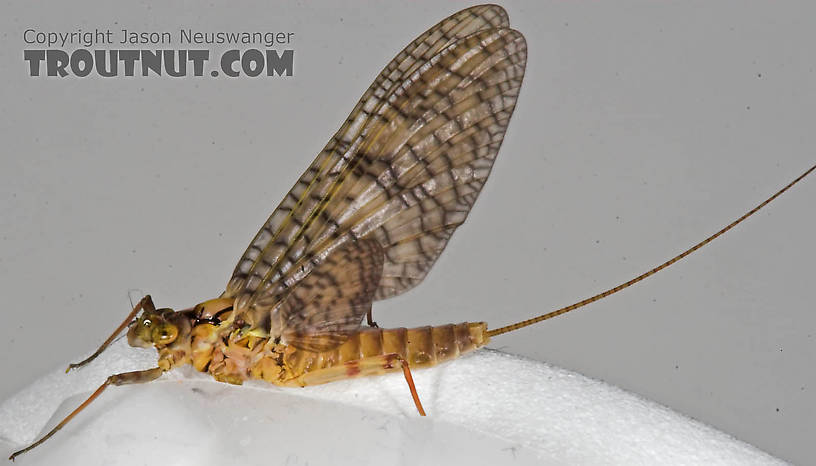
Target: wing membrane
332,299
267,247
404,169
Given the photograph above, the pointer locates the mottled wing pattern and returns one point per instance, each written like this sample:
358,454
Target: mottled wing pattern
263,257
404,169
442,133
331,301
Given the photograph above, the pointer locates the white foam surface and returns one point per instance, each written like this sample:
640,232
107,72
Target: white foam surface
485,408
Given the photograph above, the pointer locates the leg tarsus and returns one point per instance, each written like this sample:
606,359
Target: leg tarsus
370,320
145,304
116,379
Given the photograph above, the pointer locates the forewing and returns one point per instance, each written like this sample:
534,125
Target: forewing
330,302
404,169
267,248
442,131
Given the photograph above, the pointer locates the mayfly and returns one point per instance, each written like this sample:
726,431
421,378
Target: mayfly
365,222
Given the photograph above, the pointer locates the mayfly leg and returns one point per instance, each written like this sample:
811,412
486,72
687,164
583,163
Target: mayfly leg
406,370
370,320
373,365
145,303
124,378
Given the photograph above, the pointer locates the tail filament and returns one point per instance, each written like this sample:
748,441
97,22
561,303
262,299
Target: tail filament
611,291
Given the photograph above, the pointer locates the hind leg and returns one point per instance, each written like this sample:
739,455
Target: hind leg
374,365
370,320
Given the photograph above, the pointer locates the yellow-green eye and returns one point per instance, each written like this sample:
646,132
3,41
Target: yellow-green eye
164,334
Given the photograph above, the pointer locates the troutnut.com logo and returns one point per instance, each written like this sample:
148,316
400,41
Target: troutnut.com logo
246,53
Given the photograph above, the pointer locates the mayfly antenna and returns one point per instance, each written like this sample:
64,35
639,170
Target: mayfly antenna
611,291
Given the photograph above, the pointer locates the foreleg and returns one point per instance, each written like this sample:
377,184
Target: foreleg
145,303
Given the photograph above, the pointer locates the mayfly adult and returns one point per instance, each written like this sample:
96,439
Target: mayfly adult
365,222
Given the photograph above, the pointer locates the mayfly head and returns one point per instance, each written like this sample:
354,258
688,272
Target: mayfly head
153,328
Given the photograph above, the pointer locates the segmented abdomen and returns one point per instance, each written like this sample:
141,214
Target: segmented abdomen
421,347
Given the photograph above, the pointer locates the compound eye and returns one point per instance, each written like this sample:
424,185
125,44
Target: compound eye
164,334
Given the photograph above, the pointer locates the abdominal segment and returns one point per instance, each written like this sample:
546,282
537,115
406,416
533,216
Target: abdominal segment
374,351
370,351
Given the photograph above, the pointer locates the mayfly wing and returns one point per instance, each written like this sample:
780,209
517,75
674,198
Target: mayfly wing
268,246
404,169
266,249
329,303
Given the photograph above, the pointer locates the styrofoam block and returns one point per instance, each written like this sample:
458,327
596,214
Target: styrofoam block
485,408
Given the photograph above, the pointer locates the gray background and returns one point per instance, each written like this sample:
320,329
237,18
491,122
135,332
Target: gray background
641,128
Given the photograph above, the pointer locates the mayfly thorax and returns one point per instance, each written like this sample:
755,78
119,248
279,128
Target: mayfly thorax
365,222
